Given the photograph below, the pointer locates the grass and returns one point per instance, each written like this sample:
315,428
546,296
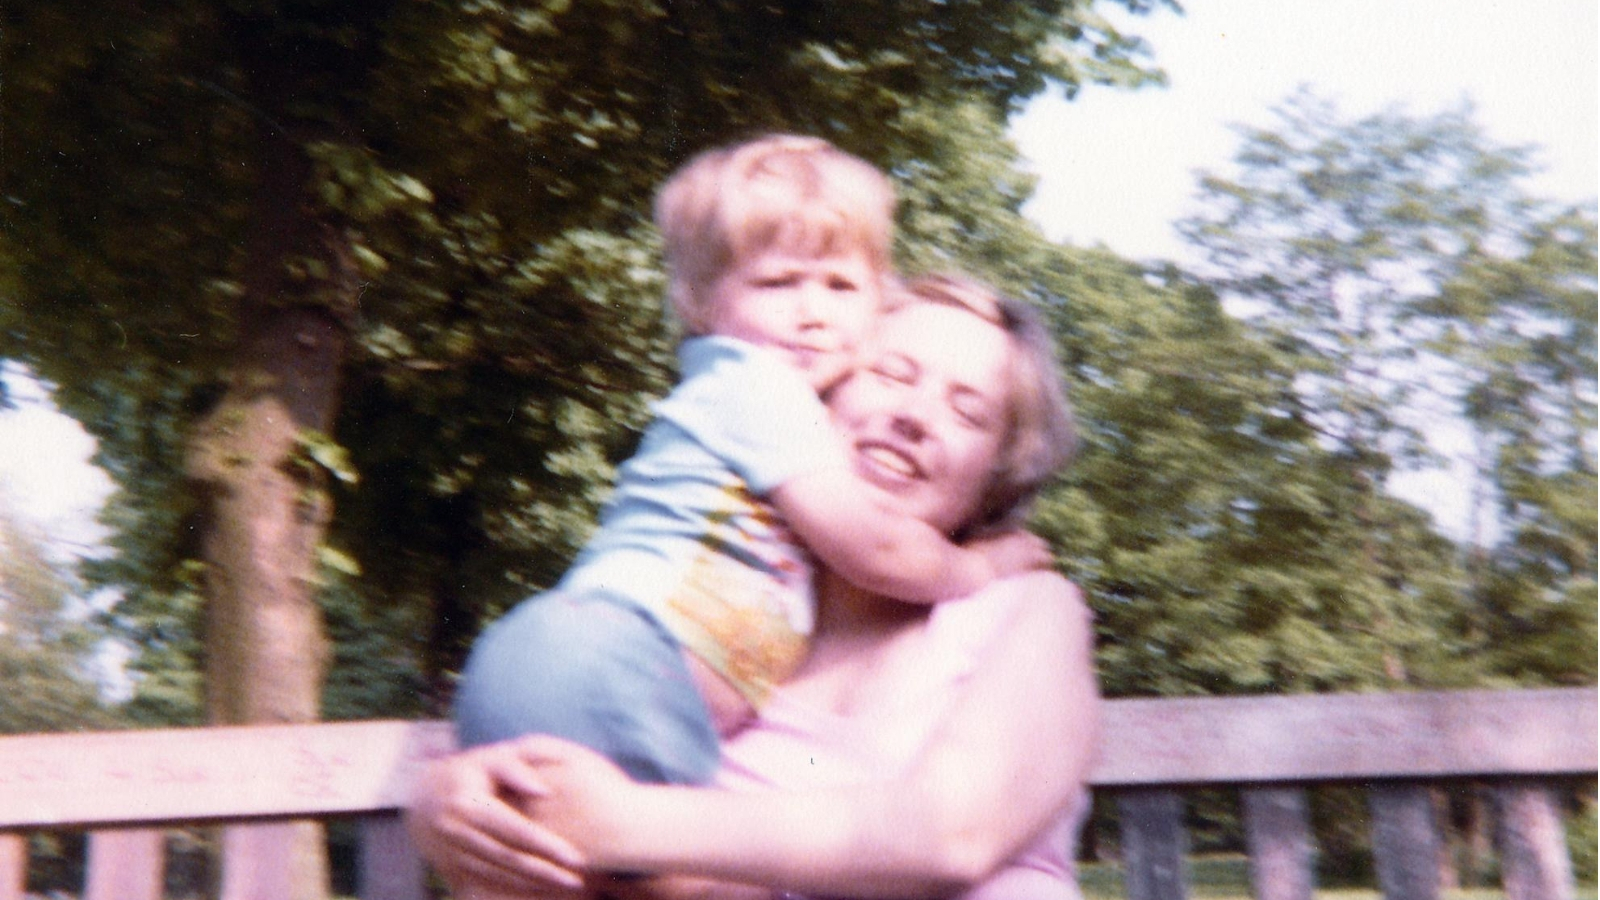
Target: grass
1227,877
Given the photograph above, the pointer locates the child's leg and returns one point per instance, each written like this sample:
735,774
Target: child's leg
593,670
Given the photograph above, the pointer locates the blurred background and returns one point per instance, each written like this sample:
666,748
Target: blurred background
324,325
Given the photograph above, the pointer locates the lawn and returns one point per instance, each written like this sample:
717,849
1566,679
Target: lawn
1228,876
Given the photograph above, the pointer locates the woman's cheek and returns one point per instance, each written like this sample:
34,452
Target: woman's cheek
972,461
855,402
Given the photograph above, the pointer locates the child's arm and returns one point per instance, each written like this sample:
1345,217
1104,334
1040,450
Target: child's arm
895,555
769,428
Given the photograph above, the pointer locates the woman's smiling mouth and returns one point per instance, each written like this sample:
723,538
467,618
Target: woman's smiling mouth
884,462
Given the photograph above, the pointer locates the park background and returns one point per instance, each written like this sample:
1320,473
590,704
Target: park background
1364,292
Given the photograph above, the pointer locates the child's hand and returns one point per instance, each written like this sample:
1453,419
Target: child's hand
1014,552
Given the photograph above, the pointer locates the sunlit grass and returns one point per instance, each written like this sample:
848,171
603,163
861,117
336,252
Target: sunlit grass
1227,877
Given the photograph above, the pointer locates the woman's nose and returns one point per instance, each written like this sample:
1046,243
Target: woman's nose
908,427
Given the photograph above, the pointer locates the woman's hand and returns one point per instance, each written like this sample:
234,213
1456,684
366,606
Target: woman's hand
466,818
580,796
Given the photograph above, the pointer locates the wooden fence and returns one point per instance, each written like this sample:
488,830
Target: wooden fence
123,786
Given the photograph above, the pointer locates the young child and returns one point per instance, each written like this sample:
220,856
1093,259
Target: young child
693,598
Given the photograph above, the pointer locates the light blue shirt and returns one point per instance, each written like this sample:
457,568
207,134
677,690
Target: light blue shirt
687,533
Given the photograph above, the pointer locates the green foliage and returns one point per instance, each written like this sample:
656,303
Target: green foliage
1330,230
1209,525
46,650
1399,269
489,169
375,672
315,450
486,168
1518,323
1583,839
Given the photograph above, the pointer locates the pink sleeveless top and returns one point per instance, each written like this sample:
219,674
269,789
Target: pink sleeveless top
798,747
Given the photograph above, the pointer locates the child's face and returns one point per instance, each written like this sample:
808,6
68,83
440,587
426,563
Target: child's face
813,311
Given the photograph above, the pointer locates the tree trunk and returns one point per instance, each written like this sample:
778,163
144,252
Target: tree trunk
266,512
265,503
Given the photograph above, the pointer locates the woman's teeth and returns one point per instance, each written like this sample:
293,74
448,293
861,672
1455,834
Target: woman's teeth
891,460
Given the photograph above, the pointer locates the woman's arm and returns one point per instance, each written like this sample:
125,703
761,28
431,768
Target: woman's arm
466,819
1007,757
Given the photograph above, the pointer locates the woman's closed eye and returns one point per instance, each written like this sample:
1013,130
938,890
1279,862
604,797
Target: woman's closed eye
895,369
972,409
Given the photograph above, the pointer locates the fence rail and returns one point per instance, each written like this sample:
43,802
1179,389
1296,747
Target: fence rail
125,785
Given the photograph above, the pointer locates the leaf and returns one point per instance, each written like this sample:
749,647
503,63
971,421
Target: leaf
332,458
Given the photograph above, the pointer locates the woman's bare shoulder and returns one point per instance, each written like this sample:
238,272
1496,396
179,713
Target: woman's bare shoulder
1033,607
1043,590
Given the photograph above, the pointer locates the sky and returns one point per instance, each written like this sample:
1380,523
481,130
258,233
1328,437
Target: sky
45,473
1117,168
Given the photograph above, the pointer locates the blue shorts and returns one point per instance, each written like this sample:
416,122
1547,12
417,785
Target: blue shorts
596,670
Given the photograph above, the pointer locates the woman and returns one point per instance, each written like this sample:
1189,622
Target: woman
918,752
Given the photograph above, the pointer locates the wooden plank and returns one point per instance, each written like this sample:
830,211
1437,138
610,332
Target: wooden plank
220,774
1278,832
126,864
1154,844
13,866
1405,843
391,868
1333,737
209,774
1534,863
258,861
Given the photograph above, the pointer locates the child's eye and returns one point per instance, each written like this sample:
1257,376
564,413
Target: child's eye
842,284
770,282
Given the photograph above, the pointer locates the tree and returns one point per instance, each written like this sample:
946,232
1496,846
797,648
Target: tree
1408,279
1518,325
1330,237
265,246
1207,521
46,651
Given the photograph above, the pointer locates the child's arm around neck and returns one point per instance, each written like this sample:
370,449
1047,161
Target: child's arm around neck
892,554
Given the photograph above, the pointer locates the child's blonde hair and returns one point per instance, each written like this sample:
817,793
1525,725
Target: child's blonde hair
799,193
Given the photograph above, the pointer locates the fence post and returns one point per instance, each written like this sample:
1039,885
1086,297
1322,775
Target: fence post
391,868
125,864
258,861
1277,825
13,865
1534,863
1153,844
1405,843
